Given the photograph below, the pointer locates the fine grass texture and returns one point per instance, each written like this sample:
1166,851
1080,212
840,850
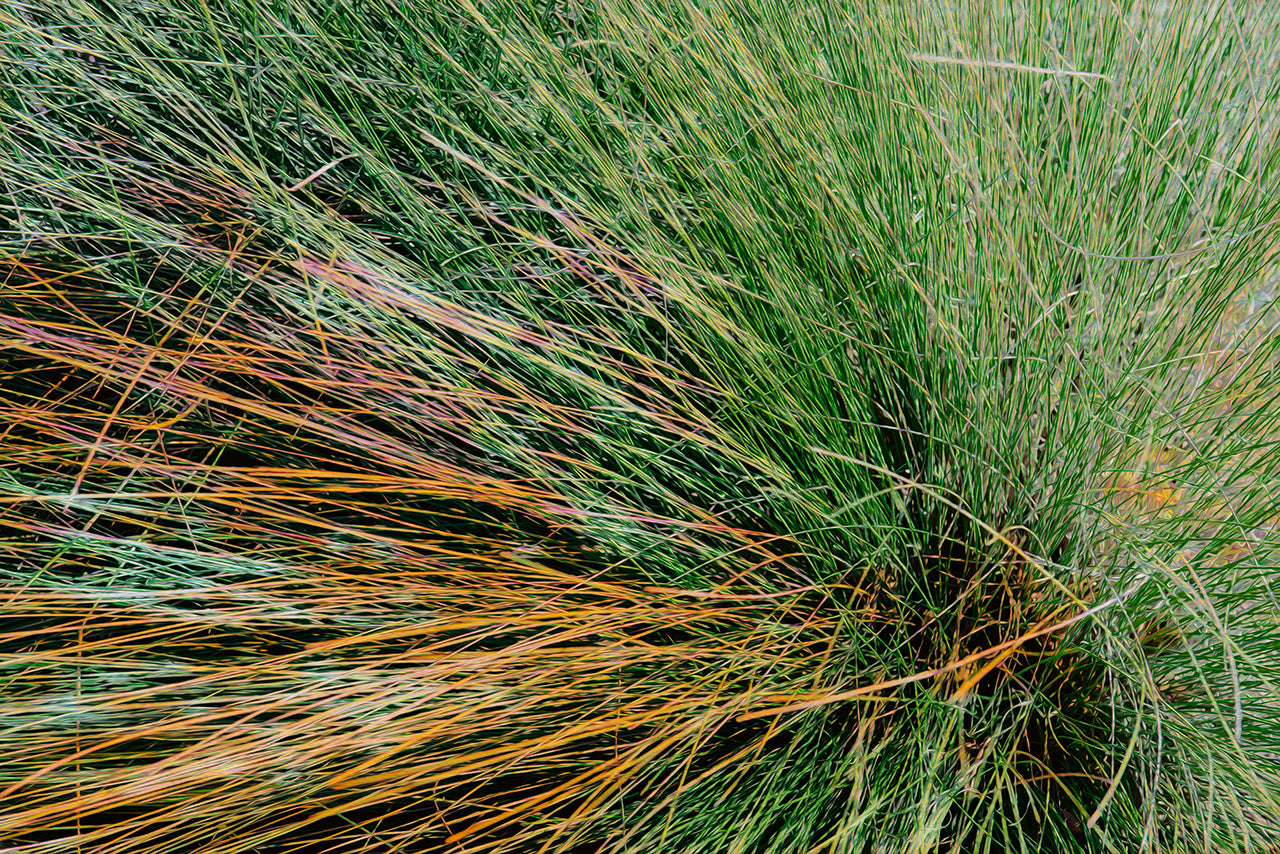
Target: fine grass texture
686,426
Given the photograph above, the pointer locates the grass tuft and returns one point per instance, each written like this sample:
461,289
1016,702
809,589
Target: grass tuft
639,426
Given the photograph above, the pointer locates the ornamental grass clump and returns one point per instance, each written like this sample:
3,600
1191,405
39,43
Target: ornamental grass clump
639,426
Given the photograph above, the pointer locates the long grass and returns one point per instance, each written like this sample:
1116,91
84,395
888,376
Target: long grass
639,426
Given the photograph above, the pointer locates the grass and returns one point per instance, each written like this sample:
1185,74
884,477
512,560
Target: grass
638,427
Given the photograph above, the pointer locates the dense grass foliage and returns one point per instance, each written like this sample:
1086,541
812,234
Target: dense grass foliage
638,426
